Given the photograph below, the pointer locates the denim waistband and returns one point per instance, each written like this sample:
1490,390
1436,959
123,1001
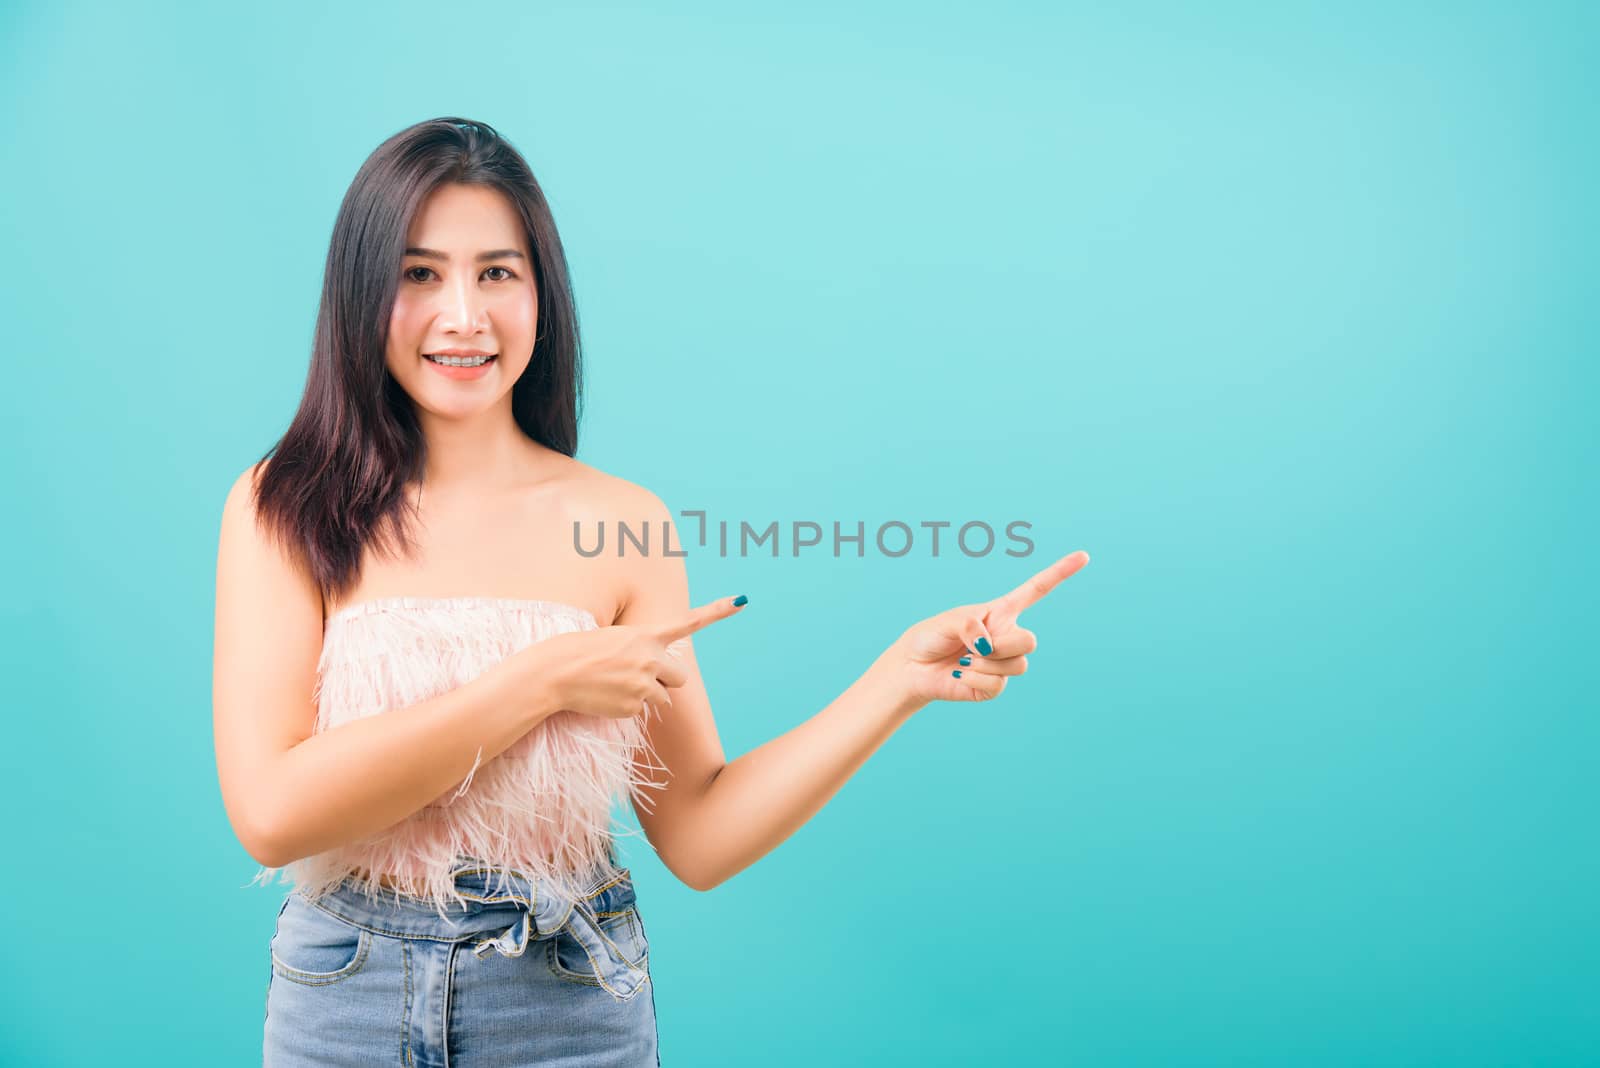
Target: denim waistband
505,911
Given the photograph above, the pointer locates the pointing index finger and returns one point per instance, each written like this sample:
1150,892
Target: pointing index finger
1033,590
698,618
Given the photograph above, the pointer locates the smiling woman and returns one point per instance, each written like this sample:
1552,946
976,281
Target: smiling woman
467,305
444,245
426,703
441,810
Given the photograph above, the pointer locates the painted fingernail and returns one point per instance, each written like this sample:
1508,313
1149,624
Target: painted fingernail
957,674
965,661
739,600
984,647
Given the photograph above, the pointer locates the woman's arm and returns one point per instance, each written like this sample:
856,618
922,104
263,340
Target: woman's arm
289,793
714,818
752,804
361,777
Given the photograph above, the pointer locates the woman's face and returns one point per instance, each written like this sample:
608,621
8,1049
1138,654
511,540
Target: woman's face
466,283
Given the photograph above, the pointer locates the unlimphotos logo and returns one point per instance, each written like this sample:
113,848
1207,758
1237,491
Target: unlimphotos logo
894,538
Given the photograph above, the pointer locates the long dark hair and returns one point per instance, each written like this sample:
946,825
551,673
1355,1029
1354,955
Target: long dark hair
338,475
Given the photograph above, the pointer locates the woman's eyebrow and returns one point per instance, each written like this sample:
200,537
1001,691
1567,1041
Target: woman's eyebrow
492,254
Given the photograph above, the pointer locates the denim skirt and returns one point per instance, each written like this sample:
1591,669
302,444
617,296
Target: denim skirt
522,976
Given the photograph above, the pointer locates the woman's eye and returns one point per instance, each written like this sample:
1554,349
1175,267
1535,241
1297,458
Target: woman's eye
410,273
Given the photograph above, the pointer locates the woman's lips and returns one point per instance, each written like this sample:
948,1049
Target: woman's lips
461,374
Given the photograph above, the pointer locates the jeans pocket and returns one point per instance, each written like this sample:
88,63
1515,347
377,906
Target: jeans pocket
315,947
569,959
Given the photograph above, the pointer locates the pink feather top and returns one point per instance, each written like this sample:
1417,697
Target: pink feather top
541,808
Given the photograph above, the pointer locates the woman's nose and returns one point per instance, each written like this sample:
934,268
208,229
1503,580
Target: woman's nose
464,310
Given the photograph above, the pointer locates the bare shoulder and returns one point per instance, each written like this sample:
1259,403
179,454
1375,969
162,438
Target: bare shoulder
651,574
260,576
245,534
241,495
600,494
240,522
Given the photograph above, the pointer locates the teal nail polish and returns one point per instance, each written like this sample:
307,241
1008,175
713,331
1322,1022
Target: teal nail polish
739,600
957,674
984,647
964,661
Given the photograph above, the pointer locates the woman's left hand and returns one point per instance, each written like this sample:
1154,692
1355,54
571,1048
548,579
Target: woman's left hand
926,659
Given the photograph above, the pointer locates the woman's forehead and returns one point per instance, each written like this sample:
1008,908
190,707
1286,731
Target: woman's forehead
466,221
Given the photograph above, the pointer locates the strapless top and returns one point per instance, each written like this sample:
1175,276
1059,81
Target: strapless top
541,808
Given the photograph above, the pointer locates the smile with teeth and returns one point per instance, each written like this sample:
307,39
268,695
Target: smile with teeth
458,361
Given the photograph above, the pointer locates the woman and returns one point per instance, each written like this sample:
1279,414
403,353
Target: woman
406,549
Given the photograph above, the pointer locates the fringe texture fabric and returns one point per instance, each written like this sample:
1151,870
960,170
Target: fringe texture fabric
541,809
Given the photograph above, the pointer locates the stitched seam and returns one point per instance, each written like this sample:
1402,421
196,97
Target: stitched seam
364,943
601,931
595,980
444,1022
405,1013
399,934
596,892
589,980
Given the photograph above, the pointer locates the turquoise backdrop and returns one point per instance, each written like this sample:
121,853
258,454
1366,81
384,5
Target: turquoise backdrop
1284,312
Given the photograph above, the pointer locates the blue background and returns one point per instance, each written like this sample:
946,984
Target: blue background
1285,313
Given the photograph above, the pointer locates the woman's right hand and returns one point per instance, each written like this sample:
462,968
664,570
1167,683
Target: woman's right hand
612,671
